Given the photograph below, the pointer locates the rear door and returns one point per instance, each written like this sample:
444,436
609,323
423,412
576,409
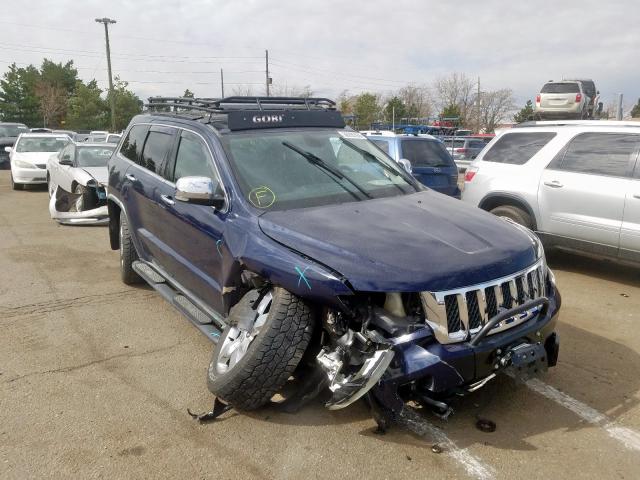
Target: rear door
144,180
431,164
630,232
193,245
582,191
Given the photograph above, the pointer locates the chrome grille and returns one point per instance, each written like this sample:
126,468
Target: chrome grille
456,314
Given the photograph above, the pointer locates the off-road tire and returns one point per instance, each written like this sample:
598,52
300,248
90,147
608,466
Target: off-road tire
16,186
516,214
128,254
271,358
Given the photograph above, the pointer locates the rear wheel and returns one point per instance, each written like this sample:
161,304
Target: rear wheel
260,349
516,214
128,254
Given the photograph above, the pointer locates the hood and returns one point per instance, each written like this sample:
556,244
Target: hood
101,174
38,158
420,242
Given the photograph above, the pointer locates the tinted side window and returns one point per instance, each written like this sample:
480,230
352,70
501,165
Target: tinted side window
517,148
426,153
155,150
132,146
609,154
383,144
192,158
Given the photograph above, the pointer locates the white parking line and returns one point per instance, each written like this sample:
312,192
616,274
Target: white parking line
420,426
628,437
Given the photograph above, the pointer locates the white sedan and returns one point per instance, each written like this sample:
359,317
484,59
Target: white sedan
29,156
76,180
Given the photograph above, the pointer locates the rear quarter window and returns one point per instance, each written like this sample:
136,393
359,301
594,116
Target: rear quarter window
132,146
383,145
517,148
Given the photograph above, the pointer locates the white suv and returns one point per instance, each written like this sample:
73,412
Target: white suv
576,183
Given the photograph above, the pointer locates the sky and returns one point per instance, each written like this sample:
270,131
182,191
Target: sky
163,47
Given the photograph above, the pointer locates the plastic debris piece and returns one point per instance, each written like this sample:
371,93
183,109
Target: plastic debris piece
219,408
485,425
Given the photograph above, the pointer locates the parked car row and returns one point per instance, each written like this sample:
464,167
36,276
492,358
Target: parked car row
75,174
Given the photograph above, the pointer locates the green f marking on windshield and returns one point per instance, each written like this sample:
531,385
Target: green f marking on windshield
302,277
262,197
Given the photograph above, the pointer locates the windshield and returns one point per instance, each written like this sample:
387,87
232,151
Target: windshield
93,156
41,144
296,169
423,152
12,130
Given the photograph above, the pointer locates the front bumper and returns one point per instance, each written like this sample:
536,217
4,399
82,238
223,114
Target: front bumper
438,370
93,216
29,176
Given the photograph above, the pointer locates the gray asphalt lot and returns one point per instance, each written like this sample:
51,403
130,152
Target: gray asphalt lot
96,378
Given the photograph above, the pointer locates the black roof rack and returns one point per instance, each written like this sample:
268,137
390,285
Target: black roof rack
229,104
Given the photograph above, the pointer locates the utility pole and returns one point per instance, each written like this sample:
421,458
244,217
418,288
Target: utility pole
222,82
266,59
478,106
106,21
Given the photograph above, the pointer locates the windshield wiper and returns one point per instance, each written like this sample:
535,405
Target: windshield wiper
402,174
320,163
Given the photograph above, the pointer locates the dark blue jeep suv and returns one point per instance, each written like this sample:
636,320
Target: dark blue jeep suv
300,249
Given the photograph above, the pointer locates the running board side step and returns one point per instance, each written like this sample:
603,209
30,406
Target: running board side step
202,321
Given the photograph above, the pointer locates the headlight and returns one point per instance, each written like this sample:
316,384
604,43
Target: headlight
23,164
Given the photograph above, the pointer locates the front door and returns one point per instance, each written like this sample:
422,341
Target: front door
192,234
582,192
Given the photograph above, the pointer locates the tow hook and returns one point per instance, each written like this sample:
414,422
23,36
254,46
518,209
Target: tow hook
523,361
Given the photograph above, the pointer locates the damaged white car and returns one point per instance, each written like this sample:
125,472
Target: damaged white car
76,180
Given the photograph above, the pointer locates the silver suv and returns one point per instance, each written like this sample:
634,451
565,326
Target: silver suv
564,99
576,183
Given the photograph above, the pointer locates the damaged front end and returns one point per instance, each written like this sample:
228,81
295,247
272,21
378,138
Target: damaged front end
86,205
388,347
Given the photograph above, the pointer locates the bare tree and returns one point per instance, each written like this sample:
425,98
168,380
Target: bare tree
456,89
53,102
417,101
243,91
345,102
495,107
291,91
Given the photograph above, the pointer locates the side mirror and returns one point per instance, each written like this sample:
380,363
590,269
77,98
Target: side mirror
200,190
600,107
597,92
66,160
406,164
7,149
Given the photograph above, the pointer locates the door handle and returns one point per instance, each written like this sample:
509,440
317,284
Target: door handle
554,184
166,199
636,195
131,178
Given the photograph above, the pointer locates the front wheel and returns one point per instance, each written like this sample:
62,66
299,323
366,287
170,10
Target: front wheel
516,214
259,350
16,186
